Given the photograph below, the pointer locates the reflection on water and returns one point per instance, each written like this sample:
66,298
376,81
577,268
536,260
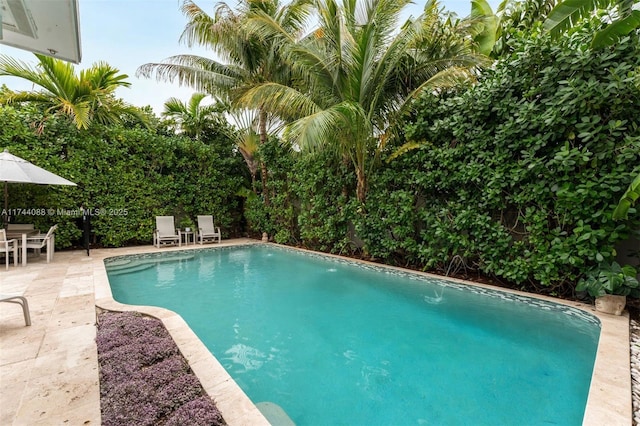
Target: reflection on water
246,356
436,298
166,274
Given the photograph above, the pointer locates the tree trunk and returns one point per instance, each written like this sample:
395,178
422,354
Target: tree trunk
361,189
253,183
263,166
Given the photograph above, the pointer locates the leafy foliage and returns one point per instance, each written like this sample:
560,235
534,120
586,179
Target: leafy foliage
356,74
327,210
618,15
495,30
193,118
278,215
610,279
518,175
125,176
84,97
248,60
628,199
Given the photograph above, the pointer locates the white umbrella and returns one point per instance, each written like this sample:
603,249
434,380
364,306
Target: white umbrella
15,169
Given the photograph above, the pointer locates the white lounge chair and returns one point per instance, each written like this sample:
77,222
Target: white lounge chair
8,246
206,230
166,231
20,300
40,241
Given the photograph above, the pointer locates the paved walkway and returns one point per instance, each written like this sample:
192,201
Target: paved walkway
49,371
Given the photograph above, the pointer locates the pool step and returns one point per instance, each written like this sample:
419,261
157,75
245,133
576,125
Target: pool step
274,414
127,265
121,270
119,263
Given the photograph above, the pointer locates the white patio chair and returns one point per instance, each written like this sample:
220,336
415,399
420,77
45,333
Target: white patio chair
206,230
166,231
8,246
40,241
20,300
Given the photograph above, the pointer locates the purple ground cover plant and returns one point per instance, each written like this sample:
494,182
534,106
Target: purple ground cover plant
144,379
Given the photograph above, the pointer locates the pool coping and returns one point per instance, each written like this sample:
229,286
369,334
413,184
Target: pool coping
609,400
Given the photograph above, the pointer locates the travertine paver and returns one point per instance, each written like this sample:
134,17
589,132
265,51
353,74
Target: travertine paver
49,371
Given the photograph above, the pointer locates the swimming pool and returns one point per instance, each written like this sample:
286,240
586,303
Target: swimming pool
335,343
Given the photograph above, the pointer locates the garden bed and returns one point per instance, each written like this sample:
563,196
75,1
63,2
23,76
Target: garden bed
144,379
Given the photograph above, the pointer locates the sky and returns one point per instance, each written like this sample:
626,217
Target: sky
130,33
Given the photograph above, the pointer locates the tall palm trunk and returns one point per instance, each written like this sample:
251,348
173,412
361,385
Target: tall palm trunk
251,165
263,139
361,188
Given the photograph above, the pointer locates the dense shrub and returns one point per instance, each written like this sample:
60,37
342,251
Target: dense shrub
126,175
325,187
309,200
144,380
273,212
520,174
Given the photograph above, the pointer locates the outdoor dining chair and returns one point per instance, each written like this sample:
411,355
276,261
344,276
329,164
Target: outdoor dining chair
40,241
8,246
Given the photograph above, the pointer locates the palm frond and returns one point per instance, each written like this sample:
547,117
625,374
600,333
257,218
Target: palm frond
409,146
16,68
199,73
613,32
286,102
200,29
17,97
568,12
174,107
316,131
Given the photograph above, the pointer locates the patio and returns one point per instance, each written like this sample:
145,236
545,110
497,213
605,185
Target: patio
49,371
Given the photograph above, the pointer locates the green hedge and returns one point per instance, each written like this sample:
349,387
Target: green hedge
126,175
520,174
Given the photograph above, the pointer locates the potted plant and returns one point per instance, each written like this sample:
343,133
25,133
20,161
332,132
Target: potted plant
186,223
610,284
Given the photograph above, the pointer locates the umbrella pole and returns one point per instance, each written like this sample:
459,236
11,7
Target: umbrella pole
5,212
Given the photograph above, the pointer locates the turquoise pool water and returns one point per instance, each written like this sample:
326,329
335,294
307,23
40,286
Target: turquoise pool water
334,343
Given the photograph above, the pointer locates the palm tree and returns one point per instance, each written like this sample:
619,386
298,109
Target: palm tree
247,139
622,19
193,118
249,60
357,73
85,97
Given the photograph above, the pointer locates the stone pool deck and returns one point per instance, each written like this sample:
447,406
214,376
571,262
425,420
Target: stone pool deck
49,370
